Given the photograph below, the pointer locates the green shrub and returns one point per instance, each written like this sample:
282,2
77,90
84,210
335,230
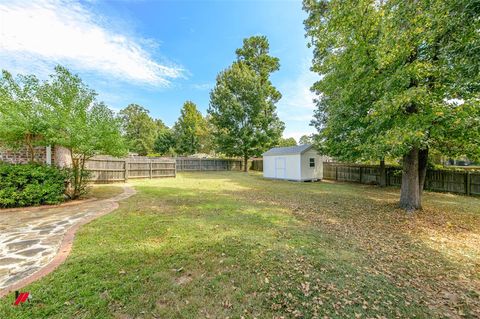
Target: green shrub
31,184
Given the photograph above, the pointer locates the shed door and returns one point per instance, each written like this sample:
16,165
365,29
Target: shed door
280,167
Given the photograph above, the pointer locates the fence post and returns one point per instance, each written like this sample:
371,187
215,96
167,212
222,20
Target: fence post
125,162
360,175
387,176
468,183
151,171
443,181
336,172
175,167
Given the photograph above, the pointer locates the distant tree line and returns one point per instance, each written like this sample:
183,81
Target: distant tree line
241,119
147,136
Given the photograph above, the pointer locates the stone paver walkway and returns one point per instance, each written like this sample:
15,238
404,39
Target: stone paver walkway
30,238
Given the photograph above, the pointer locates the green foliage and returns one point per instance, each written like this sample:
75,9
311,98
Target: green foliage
390,73
255,54
165,142
207,143
305,139
79,123
344,56
160,125
397,78
31,184
140,130
21,113
242,104
189,129
62,111
287,142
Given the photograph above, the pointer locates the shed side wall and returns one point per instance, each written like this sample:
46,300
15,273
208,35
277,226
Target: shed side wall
308,172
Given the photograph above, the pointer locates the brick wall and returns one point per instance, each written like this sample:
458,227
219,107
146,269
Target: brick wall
22,156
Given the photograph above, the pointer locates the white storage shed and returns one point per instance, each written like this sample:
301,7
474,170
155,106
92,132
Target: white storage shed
294,163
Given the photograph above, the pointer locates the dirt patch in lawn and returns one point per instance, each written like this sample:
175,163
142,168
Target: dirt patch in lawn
182,280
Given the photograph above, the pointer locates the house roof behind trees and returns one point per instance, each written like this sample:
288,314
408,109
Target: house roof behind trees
289,150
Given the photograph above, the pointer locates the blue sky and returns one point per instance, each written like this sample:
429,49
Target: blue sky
158,53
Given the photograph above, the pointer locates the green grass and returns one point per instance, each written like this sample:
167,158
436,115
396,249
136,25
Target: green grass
103,191
218,245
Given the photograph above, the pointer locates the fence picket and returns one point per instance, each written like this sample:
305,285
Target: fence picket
198,164
109,169
460,182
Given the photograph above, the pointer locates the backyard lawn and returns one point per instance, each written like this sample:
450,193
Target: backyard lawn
218,245
100,191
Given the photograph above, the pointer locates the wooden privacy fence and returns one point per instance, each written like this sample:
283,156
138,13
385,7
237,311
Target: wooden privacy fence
208,164
109,169
461,182
257,164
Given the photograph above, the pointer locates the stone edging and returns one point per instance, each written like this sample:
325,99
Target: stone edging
67,242
40,207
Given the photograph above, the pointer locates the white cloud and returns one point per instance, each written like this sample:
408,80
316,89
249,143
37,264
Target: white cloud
297,96
202,86
35,35
296,106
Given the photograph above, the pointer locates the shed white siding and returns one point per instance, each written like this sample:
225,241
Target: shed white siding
295,163
282,167
309,173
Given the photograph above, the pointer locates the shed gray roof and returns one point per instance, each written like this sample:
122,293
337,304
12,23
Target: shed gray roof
290,150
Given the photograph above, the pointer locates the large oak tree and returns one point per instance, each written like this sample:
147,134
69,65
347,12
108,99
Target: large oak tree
398,78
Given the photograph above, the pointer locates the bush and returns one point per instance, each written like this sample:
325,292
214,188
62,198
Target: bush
31,184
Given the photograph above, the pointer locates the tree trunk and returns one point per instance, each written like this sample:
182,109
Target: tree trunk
245,163
73,185
31,150
81,172
75,177
383,174
32,153
422,170
410,192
